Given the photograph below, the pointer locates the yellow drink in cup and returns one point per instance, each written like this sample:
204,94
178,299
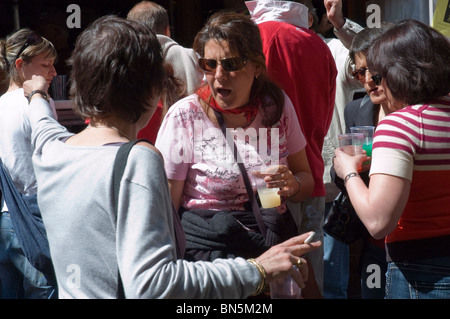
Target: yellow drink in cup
269,197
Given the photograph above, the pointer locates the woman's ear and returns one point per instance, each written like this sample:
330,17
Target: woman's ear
18,63
258,72
310,20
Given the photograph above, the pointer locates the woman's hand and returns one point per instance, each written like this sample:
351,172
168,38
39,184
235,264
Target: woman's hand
279,260
279,176
37,82
345,164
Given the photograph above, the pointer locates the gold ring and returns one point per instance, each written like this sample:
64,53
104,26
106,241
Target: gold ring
299,263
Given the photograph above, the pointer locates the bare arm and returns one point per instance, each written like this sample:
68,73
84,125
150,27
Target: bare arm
299,165
176,191
380,205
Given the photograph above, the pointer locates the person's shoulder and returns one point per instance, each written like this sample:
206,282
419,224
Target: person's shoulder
354,104
148,145
145,166
171,47
15,94
144,151
189,104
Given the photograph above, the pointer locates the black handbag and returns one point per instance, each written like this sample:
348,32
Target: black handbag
342,222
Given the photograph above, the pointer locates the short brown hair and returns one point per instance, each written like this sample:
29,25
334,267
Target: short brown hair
117,69
414,60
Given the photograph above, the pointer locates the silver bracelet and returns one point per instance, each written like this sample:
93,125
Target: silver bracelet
350,175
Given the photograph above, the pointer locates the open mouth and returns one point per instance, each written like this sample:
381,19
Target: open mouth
223,92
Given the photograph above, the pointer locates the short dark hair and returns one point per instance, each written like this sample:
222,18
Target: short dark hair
364,39
414,61
117,69
244,40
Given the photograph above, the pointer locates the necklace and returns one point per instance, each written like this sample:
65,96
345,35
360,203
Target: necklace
110,127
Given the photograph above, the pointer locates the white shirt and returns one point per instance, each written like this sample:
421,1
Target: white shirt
15,141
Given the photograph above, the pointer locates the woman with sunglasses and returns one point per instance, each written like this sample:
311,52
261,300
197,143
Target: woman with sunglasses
407,198
92,238
370,109
365,111
206,183
22,55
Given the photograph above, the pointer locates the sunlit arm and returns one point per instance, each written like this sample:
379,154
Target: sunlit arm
176,192
381,205
299,165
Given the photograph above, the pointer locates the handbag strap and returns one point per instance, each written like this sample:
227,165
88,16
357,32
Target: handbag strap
120,163
251,195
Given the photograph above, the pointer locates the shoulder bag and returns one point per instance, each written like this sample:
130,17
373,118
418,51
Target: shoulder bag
28,225
342,222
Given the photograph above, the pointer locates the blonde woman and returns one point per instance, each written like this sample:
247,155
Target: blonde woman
22,55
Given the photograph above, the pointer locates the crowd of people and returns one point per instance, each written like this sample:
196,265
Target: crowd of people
259,94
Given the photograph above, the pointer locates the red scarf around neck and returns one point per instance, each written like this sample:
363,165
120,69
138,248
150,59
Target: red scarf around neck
249,110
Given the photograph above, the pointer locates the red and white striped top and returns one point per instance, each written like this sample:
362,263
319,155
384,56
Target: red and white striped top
414,143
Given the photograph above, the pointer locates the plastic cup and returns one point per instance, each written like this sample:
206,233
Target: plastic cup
368,138
267,196
285,288
351,143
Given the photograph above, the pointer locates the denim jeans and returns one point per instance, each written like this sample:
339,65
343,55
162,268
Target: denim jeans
419,279
18,278
336,265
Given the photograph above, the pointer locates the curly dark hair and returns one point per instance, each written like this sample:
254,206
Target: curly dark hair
414,60
117,69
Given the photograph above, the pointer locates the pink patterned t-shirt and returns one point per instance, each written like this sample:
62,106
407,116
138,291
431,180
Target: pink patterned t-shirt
195,150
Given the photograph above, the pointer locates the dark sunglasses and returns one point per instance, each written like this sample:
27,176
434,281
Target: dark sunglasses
228,64
32,39
377,79
359,74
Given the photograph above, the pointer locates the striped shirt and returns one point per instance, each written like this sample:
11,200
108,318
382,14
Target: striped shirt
414,143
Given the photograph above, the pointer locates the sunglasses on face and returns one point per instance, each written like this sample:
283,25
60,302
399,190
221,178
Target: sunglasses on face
32,39
377,79
228,64
359,74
